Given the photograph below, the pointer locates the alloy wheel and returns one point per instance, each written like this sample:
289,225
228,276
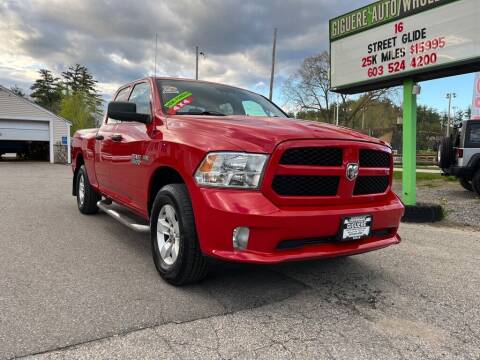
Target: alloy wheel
168,234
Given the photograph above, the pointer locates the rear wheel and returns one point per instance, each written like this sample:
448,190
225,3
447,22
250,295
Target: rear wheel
175,247
476,182
466,184
87,197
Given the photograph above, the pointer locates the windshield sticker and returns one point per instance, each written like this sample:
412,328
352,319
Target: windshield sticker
170,90
179,102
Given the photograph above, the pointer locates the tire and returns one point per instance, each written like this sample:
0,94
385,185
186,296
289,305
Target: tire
181,262
446,153
87,197
476,182
466,184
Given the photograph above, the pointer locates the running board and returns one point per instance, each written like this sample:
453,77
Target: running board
122,218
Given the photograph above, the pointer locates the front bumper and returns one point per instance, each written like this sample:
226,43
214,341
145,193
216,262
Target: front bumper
219,211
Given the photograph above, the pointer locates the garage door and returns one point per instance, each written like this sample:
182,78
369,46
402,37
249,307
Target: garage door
24,130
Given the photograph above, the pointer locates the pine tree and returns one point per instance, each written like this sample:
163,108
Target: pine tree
81,102
46,91
77,79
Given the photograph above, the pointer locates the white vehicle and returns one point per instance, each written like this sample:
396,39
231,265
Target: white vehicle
459,155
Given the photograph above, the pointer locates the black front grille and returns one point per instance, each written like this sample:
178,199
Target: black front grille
374,159
313,156
295,185
367,185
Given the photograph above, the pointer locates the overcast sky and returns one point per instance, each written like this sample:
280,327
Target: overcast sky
115,39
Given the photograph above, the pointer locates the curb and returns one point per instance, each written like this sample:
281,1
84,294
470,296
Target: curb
423,213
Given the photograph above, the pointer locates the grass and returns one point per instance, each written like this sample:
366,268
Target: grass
397,175
429,166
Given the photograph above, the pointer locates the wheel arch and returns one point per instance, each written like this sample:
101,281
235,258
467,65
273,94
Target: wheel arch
474,162
79,161
163,175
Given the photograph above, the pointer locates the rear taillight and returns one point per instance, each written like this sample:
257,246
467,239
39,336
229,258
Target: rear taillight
459,153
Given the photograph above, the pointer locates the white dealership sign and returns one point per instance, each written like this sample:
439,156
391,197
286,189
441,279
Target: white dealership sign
394,39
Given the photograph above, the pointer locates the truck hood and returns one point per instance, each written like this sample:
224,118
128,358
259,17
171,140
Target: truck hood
259,134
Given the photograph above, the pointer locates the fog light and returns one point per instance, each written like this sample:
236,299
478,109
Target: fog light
240,238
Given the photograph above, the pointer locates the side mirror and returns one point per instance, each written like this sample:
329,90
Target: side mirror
126,111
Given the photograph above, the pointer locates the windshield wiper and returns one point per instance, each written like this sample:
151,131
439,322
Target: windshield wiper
206,112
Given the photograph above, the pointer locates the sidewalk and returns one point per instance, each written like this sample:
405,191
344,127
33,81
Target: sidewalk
425,171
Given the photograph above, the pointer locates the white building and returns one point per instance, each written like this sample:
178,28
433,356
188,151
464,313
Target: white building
24,124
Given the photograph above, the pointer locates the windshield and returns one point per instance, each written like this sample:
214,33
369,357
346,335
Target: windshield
183,97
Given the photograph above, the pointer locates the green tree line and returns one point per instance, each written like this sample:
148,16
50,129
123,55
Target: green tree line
73,96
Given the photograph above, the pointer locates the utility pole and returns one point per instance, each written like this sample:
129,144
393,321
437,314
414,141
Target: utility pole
196,62
363,118
334,112
338,109
273,62
197,53
450,96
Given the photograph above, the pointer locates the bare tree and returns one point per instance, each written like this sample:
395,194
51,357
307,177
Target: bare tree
309,90
17,90
366,99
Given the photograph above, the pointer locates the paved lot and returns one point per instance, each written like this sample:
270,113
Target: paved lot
74,286
461,207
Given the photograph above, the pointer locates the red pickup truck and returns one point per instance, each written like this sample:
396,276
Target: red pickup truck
216,171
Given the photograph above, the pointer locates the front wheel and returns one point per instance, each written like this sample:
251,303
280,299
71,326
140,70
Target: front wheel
476,182
466,184
175,247
87,197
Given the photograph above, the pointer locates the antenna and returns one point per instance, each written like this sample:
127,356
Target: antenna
273,63
156,49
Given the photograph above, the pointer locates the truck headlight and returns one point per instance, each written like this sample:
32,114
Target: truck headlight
231,170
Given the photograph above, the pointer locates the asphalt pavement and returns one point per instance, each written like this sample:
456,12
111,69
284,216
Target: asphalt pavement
75,286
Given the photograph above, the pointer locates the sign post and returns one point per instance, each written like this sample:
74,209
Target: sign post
409,156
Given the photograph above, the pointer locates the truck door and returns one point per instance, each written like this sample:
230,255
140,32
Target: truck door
104,147
130,166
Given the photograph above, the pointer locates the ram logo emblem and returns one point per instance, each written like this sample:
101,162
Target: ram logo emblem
352,171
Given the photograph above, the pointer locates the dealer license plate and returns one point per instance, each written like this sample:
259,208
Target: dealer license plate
356,227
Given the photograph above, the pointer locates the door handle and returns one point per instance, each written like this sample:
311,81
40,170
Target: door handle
117,137
99,137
